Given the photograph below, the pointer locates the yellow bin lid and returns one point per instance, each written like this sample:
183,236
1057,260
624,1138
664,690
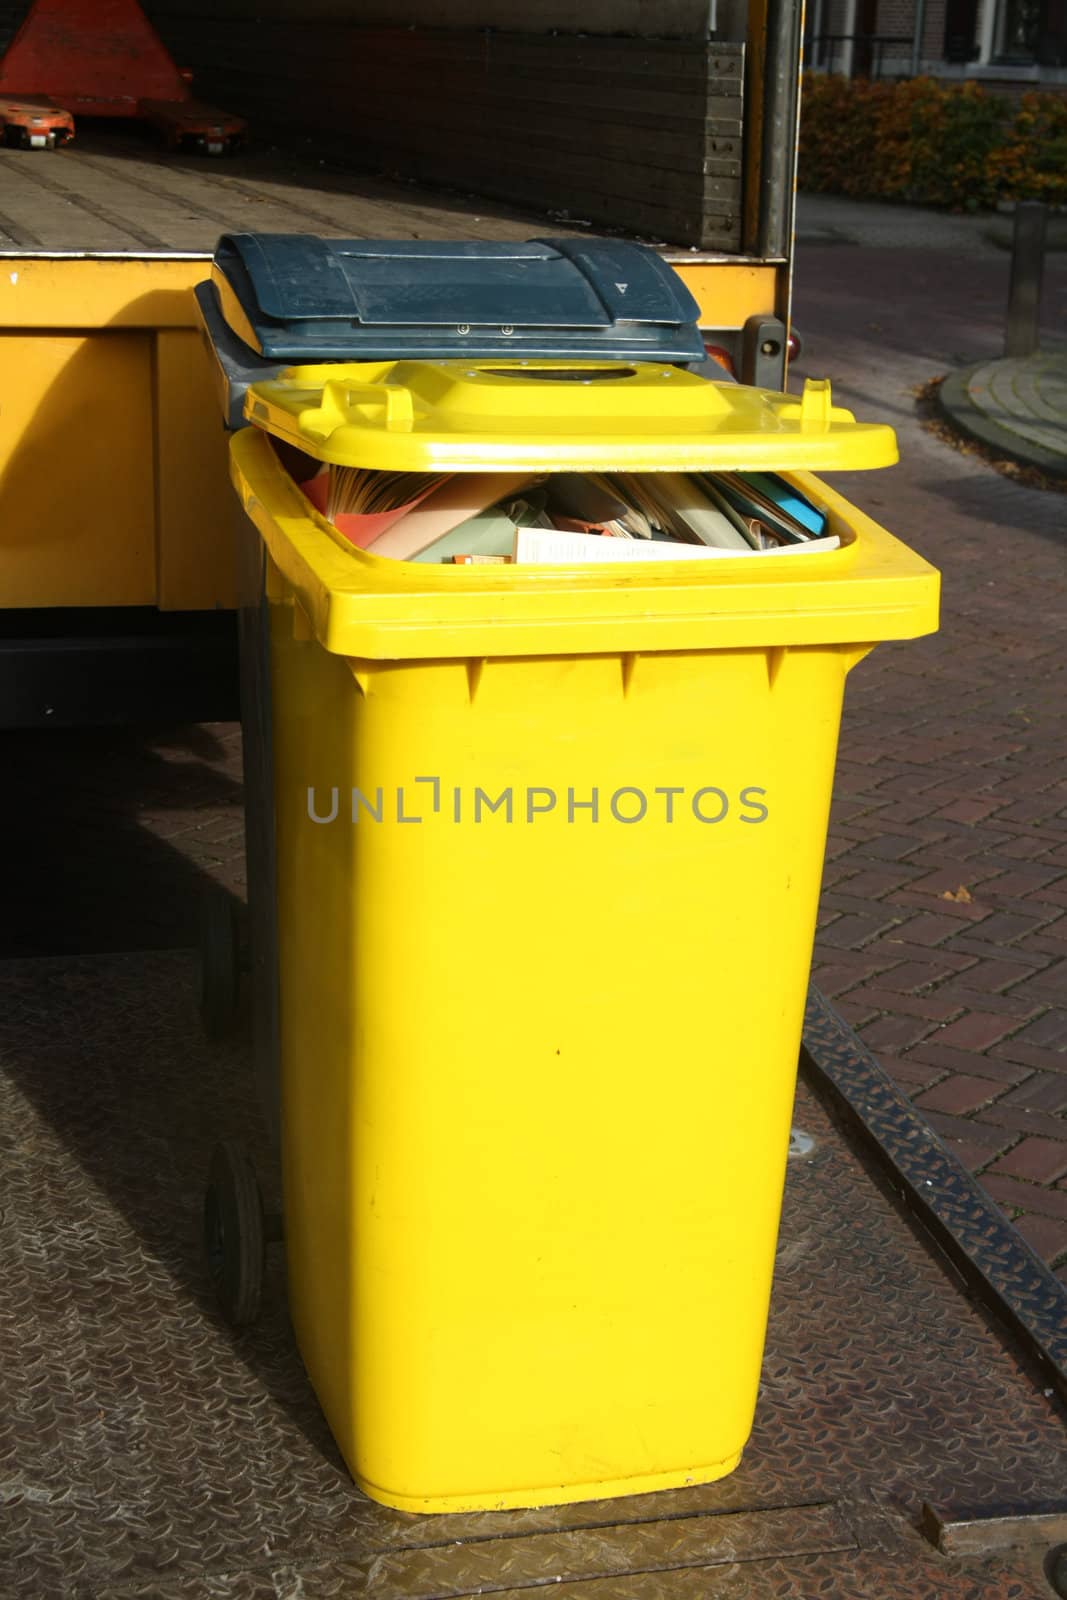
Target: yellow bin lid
412,416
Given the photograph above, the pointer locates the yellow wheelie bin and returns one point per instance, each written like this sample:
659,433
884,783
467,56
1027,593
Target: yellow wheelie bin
548,844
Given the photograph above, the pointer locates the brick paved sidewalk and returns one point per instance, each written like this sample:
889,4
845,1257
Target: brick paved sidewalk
943,932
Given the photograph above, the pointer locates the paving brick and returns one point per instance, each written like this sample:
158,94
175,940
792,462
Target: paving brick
881,996
1041,1091
1048,1032
974,943
958,911
847,805
1034,808
976,1031
912,1075
838,871
1026,848
896,945
935,1054
909,786
955,785
1027,1196
933,840
895,1032
875,882
910,976
1023,1119
1015,1049
867,754
995,974
1051,941
925,750
1023,883
838,845
959,1094
1031,784
891,846
854,1012
973,809
929,929
841,898
906,812
969,1152
955,991
838,974
851,932
1035,1159
1006,927
1046,1236
963,845
992,1140
949,877
1040,911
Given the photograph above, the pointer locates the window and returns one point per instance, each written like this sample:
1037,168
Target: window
1019,30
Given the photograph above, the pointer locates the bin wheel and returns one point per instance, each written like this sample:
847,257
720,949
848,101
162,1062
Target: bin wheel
219,963
234,1239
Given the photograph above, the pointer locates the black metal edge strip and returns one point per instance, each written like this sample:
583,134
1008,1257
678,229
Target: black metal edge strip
993,1258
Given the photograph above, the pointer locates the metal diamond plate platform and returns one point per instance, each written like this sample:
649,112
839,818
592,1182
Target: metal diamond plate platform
146,1451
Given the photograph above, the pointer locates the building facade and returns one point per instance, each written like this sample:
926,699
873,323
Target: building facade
1008,44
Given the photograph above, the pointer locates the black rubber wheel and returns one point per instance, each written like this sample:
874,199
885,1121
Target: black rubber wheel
1056,1570
219,963
234,1239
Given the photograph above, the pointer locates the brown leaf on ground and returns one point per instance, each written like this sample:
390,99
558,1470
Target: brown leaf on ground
962,896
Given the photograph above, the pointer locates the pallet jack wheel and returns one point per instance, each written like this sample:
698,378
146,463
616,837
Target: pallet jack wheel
234,1235
1056,1570
219,963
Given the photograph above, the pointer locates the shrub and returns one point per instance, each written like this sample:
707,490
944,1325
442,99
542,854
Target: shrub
952,145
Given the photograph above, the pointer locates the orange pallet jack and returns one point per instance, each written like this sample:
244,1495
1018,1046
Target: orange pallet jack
32,122
102,58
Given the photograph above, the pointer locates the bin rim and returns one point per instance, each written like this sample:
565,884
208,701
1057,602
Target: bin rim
371,607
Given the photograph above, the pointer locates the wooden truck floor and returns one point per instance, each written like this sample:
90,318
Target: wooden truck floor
118,191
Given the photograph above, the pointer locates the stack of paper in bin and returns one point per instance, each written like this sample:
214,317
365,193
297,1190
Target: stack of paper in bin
474,518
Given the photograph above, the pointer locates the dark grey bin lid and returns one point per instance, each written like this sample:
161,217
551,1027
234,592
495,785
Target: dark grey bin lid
308,299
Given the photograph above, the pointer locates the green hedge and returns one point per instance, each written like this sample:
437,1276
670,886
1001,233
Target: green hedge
931,143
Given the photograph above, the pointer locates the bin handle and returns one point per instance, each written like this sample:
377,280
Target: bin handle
816,405
340,399
815,411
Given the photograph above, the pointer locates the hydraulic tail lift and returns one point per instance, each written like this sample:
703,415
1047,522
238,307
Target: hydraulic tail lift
101,58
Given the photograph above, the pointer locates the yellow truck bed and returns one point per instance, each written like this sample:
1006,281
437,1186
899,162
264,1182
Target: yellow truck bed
113,488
